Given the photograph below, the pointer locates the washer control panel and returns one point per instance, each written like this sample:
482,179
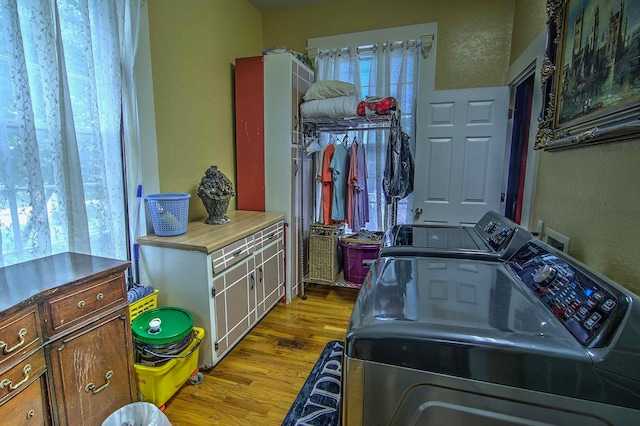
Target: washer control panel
590,308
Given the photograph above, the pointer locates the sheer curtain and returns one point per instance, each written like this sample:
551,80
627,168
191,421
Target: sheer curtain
378,70
61,168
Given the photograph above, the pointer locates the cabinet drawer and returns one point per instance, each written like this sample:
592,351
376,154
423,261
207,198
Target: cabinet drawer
74,307
26,407
231,254
268,235
21,375
18,334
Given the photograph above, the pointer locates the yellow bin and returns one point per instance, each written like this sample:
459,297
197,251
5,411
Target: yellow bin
157,384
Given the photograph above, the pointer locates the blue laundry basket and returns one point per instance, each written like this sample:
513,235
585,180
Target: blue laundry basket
169,213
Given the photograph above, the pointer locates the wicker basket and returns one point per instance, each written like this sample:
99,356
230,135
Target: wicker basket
324,259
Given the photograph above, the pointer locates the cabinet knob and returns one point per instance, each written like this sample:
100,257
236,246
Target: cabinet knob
81,304
21,334
30,414
100,296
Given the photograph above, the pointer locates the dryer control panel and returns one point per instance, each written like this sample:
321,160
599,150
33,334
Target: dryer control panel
589,307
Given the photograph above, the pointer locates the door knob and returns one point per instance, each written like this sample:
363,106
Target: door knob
417,212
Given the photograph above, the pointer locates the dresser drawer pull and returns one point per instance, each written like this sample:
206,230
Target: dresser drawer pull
81,304
237,253
100,296
30,414
92,388
6,383
21,334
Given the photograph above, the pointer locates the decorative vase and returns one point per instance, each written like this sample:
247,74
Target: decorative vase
215,191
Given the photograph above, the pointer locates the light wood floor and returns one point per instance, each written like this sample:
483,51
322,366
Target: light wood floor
257,381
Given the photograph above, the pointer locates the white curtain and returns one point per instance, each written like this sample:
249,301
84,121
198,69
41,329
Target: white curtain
61,168
387,69
129,21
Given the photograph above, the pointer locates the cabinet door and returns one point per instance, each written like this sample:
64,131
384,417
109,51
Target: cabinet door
92,370
235,303
250,167
270,276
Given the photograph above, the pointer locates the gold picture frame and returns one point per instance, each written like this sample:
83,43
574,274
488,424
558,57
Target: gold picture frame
590,74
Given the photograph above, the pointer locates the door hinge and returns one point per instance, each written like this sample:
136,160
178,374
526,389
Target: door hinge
510,114
215,346
213,292
503,197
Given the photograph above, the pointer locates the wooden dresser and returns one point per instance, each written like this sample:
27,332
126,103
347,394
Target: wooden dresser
66,353
228,276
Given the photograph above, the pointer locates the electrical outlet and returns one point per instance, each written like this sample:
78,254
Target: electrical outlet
540,227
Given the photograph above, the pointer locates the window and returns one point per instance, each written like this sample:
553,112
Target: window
380,63
61,173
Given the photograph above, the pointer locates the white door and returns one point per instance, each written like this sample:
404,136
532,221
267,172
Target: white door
460,154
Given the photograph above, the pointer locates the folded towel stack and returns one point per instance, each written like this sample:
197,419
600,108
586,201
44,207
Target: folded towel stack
137,292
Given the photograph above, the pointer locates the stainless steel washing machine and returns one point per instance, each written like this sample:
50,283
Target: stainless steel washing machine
494,237
538,339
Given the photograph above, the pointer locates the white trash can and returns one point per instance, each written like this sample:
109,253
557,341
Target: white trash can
137,414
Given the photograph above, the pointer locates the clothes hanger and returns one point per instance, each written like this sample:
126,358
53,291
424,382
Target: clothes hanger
314,146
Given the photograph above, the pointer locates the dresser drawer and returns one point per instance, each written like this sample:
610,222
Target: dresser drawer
27,407
267,235
21,374
19,333
74,307
231,254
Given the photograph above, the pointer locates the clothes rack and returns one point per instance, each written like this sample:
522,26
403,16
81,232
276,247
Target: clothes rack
313,127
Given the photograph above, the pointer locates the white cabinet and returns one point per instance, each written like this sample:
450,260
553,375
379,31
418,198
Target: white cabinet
228,276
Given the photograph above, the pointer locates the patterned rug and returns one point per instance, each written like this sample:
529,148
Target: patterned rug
318,402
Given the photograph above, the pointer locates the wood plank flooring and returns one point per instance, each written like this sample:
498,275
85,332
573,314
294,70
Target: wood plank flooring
257,381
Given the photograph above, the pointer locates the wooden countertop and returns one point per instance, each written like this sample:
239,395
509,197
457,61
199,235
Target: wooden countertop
24,283
208,238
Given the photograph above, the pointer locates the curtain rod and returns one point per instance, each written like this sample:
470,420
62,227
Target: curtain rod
370,47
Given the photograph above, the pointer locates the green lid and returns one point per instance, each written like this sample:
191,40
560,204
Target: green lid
159,326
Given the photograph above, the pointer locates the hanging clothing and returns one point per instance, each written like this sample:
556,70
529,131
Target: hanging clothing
359,194
317,161
399,168
362,200
327,184
352,177
340,171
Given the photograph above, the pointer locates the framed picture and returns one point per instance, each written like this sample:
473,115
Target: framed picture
590,74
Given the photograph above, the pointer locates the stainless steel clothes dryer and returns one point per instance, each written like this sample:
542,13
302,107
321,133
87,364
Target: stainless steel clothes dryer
494,237
539,339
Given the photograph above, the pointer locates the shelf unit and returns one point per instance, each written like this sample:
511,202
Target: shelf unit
313,126
345,124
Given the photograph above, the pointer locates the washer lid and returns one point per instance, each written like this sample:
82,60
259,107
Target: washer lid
166,324
422,300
